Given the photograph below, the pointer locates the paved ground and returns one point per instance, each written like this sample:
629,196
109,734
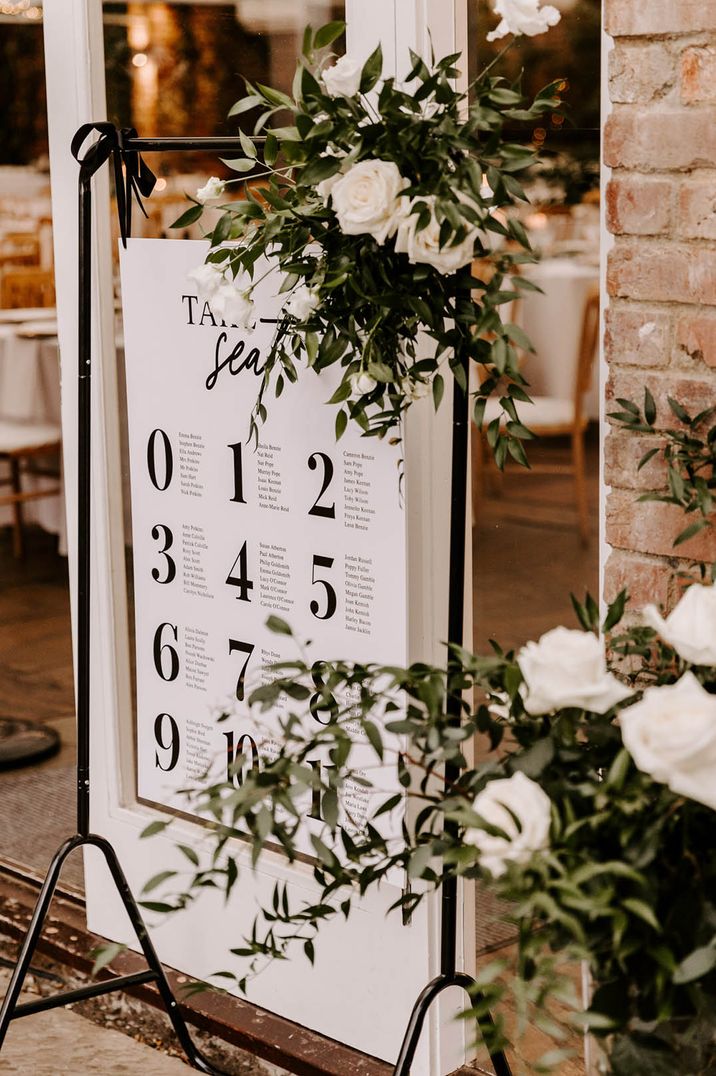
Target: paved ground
62,1043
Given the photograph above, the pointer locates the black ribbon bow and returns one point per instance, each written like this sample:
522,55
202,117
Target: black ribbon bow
133,179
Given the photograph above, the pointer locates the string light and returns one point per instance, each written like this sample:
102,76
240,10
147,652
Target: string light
21,9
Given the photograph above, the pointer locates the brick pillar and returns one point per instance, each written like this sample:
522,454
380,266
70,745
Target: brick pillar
660,142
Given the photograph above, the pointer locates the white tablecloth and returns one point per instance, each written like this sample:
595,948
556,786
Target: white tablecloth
553,322
30,390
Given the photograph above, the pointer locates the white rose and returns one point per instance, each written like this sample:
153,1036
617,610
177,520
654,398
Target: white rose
671,735
214,188
691,627
208,278
325,187
233,306
523,17
416,390
367,199
362,384
424,246
568,668
302,303
343,78
498,802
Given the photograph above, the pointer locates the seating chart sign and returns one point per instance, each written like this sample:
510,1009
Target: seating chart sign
226,534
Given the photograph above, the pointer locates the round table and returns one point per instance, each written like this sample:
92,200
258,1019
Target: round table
553,322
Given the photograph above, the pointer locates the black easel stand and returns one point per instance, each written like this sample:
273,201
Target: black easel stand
129,169
449,976
133,180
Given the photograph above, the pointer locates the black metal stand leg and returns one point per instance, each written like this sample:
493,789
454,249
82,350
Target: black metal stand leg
34,930
417,1019
155,973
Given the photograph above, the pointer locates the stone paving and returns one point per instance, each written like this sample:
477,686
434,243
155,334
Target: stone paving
62,1043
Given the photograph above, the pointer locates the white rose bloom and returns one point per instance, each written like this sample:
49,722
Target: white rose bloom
523,17
302,303
671,735
424,246
343,78
214,189
691,627
233,306
416,390
497,803
208,278
568,668
367,199
362,384
325,187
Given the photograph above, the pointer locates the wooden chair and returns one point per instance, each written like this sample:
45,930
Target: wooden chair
26,288
21,444
19,248
550,416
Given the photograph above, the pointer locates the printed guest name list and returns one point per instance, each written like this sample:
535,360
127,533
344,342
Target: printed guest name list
226,534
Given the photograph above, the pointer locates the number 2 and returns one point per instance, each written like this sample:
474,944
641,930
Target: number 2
328,511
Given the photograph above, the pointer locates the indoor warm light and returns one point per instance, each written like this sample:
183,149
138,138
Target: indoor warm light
536,221
160,185
139,59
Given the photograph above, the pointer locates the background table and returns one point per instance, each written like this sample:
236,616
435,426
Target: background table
553,322
30,391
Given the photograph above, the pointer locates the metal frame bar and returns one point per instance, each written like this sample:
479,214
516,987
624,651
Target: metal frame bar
116,144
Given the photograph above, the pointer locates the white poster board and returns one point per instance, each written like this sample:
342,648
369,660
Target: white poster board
227,533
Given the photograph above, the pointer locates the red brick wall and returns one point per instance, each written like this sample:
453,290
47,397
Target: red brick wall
660,143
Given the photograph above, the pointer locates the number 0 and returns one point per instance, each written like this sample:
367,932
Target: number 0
160,482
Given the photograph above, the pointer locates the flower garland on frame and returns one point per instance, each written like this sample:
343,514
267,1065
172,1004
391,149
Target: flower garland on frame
375,201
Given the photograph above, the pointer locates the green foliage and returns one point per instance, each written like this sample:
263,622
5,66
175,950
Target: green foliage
627,884
403,324
689,452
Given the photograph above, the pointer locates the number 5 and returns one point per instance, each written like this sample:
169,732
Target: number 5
323,562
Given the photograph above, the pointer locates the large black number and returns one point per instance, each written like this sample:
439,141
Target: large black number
326,510
236,759
323,562
322,699
161,531
241,580
243,648
152,460
172,746
316,793
160,648
238,474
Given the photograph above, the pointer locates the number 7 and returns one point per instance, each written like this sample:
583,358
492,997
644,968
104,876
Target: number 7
244,648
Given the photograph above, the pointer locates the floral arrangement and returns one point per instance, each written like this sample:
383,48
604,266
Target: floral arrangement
375,201
592,816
